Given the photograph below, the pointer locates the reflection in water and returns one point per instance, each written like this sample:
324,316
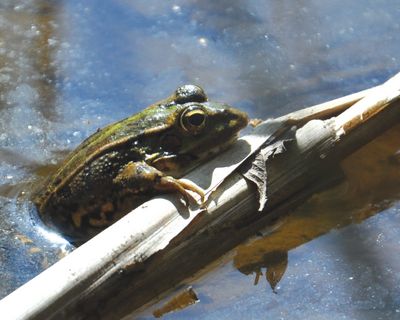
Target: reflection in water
372,185
28,45
45,48
180,301
275,263
27,87
28,74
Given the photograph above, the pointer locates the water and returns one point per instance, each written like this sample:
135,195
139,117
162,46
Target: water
68,68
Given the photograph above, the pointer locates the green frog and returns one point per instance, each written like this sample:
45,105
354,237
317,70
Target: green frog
124,164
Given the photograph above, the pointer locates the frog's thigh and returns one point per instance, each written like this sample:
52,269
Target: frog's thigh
141,177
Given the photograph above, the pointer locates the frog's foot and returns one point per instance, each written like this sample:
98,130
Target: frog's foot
139,177
170,184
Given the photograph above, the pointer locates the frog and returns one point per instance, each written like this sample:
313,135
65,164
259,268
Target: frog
128,162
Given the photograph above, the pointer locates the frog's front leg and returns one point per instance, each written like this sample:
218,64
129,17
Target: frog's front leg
139,177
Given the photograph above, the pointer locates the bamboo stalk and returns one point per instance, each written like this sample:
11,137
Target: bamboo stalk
327,109
369,106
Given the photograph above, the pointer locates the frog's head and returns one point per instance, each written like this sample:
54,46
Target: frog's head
197,129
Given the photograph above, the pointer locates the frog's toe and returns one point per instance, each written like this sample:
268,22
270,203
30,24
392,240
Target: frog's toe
193,187
171,184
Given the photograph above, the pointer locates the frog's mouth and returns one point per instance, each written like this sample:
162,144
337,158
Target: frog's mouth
214,151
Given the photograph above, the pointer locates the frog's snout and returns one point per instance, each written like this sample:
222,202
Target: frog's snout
244,119
238,119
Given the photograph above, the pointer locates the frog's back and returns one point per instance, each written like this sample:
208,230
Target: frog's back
113,135
103,142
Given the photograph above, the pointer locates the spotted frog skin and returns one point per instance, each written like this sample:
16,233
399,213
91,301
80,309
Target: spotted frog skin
124,164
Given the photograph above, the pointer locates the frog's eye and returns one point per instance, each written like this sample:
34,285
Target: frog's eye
190,93
193,119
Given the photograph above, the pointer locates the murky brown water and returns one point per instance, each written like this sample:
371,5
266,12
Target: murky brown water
67,68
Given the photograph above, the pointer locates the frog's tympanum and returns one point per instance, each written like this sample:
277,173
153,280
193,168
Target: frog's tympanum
122,165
